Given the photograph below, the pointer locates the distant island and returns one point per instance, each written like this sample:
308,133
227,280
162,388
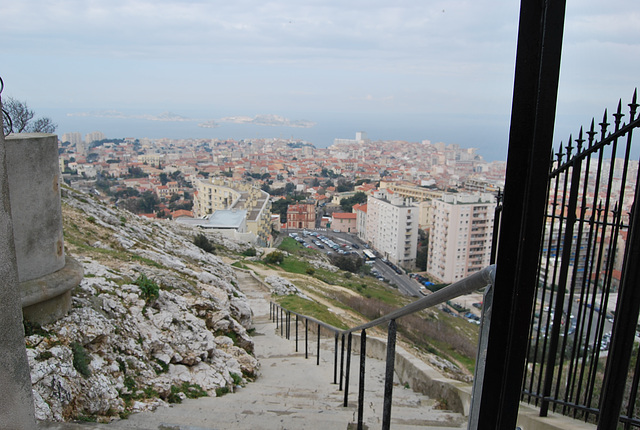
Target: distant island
268,120
271,120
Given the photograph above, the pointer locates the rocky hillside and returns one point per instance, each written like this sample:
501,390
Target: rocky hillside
155,319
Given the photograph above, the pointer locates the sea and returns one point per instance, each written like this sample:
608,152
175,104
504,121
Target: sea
489,134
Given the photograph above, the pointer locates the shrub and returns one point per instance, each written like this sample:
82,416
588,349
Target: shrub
191,391
31,328
350,263
202,242
237,379
149,289
221,391
310,271
249,252
276,257
80,359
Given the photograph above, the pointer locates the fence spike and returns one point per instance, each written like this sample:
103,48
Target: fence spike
618,115
580,141
603,126
633,106
592,132
569,147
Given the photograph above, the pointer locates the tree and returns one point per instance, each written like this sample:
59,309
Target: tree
358,198
22,119
163,178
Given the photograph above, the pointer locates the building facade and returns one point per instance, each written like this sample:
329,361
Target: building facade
392,228
460,236
220,194
301,216
361,221
344,222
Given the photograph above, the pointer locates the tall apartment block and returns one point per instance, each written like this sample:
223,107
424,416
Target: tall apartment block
392,227
460,238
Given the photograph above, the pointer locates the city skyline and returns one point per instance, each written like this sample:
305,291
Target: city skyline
441,71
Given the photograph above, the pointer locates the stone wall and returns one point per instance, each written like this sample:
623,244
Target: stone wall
17,411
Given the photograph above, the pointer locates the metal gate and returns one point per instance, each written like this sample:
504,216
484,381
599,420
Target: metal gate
581,354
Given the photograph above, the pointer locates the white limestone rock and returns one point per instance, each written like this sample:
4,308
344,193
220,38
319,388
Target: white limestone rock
195,331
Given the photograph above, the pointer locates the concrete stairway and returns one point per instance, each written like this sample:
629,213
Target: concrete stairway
292,392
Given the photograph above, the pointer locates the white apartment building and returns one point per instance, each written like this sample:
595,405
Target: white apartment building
460,235
392,227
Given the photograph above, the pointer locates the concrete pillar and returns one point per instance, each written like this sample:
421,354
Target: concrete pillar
16,398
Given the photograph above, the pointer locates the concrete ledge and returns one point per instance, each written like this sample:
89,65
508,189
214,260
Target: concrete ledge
529,419
420,376
48,297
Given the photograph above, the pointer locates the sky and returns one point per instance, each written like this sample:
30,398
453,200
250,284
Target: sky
415,70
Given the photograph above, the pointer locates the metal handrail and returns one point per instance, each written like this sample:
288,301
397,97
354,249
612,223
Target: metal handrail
467,285
478,280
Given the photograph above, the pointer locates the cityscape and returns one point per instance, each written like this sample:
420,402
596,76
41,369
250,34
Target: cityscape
252,189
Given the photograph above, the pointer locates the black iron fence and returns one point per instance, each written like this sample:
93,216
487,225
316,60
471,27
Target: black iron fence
584,324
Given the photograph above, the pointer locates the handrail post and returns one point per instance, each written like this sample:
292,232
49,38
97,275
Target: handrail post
346,376
363,355
275,317
289,325
306,338
296,332
335,358
341,361
318,354
388,379
281,322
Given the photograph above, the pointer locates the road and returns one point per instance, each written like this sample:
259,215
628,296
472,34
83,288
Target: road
405,284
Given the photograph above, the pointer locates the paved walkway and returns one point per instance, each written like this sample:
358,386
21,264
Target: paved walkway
291,392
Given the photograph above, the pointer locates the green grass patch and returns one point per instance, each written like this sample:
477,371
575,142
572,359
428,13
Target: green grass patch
294,265
311,309
290,245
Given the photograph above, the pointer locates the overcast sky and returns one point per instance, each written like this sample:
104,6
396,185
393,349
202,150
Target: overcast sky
301,58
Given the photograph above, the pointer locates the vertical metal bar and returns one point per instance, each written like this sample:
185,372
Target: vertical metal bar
348,370
275,316
552,246
624,327
388,379
296,332
633,392
341,362
281,322
363,358
530,137
335,359
318,352
567,247
306,338
288,325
